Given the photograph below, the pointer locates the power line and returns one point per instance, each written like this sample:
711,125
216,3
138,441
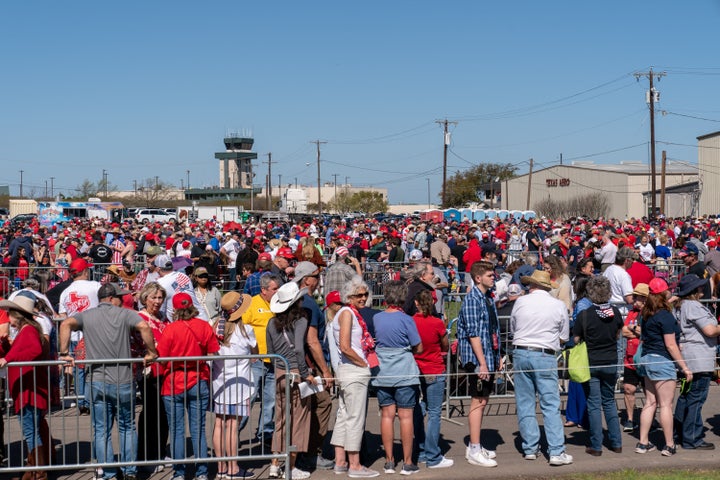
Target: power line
386,138
665,112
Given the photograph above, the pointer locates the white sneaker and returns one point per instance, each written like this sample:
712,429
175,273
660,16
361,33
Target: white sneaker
298,474
479,458
274,471
444,463
488,453
562,459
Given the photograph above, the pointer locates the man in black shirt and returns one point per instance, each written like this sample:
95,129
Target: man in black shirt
689,255
100,253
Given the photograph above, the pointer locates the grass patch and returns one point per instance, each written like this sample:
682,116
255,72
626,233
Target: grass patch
664,474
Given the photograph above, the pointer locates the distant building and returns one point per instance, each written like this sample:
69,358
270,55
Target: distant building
709,166
626,186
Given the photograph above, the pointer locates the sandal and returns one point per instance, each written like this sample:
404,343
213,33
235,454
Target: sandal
569,424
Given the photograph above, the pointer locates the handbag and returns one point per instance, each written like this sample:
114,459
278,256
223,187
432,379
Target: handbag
578,363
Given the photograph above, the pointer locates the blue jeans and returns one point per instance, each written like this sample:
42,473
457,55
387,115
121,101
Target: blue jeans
108,402
196,399
263,372
433,394
600,392
232,281
30,418
688,411
535,374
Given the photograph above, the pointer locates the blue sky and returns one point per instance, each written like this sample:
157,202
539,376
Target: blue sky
150,88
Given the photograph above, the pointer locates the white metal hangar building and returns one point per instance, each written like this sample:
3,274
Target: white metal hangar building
709,171
627,187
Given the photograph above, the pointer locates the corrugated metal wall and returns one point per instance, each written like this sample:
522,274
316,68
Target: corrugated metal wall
709,166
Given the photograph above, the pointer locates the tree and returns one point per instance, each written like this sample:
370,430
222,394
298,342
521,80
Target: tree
593,205
153,191
463,187
341,202
368,202
86,189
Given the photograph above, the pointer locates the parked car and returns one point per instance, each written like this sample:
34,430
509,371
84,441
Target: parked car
147,215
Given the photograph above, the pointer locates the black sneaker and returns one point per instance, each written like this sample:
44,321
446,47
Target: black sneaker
628,426
668,451
644,448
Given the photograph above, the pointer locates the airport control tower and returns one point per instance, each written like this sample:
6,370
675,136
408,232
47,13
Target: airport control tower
235,161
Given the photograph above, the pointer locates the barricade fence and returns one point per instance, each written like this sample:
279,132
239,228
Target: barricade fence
137,414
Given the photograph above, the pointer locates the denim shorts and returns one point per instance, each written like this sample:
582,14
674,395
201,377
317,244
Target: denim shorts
658,368
403,397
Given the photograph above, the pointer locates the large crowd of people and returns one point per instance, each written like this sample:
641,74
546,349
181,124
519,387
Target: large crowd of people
638,293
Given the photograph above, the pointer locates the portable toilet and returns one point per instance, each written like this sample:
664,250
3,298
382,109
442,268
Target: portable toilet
451,215
479,215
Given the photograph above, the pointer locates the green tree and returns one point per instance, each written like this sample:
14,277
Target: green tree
368,202
463,187
152,192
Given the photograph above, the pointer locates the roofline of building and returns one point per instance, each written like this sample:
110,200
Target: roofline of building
680,188
708,135
599,169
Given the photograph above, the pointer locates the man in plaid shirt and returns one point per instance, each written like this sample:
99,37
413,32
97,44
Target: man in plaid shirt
478,333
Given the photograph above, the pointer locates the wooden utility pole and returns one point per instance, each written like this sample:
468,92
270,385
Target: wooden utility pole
662,182
446,143
527,204
318,143
652,97
268,183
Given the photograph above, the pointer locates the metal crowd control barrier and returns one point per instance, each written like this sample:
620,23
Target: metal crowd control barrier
71,435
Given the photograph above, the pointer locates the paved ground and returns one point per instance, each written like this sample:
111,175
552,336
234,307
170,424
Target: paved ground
500,433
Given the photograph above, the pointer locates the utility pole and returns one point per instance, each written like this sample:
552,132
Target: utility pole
446,142
652,97
527,204
560,158
104,175
52,182
428,189
135,188
318,143
662,182
46,189
188,179
335,183
21,182
268,183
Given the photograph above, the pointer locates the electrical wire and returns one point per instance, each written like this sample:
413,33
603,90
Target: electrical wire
665,112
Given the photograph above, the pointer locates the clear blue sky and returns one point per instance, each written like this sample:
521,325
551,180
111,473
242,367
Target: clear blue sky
150,88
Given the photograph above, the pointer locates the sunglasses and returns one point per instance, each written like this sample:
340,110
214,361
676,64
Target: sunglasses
361,295
204,275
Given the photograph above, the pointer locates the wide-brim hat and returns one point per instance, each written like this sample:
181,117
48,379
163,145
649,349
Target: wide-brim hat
641,289
235,304
540,279
286,296
21,304
689,283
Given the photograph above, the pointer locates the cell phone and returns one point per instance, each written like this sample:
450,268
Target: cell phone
685,386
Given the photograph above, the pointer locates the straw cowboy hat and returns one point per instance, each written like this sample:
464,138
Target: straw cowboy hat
539,279
22,304
235,304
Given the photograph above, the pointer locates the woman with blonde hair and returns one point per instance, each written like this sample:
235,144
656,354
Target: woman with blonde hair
307,251
558,274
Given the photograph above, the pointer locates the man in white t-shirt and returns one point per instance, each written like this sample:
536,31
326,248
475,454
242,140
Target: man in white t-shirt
175,282
228,254
620,281
79,296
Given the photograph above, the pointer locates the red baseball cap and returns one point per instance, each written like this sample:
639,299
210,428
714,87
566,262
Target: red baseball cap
182,300
79,264
658,285
332,297
285,252
265,256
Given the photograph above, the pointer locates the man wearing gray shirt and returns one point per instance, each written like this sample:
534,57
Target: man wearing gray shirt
538,325
107,329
